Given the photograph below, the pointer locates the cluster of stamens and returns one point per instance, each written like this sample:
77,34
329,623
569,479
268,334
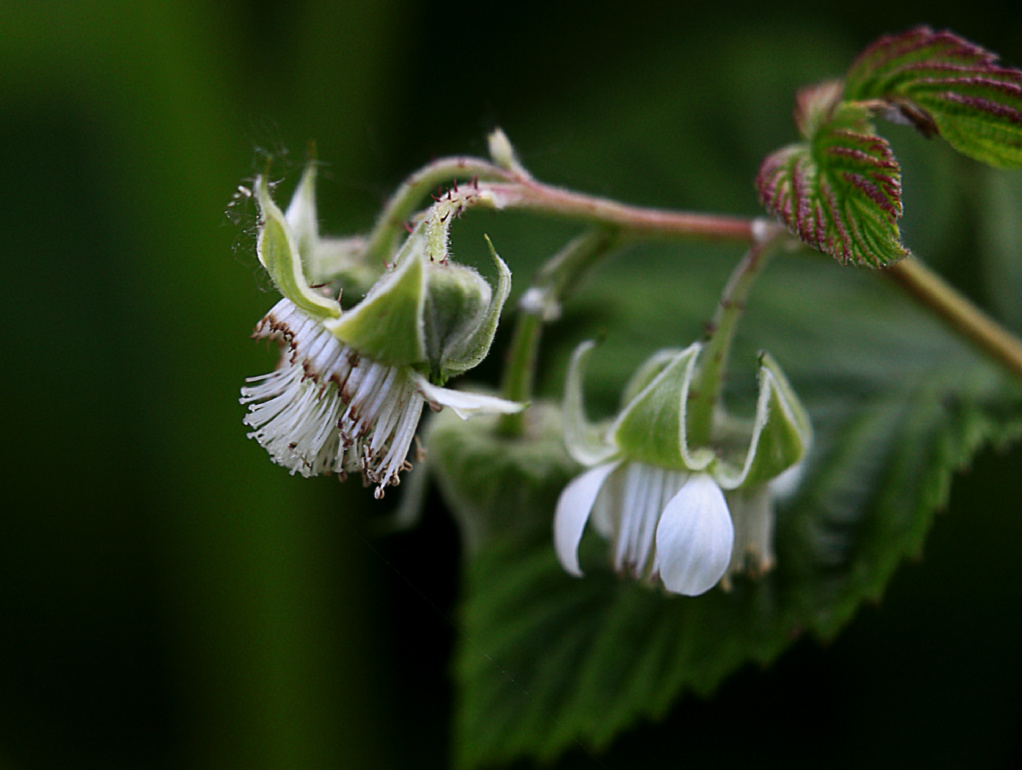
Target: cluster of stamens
328,410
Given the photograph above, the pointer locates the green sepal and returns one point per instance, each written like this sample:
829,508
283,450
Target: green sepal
586,442
302,217
646,373
652,429
781,432
456,297
467,351
387,325
279,253
343,261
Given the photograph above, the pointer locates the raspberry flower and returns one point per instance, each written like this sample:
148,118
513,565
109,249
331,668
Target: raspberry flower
351,384
685,516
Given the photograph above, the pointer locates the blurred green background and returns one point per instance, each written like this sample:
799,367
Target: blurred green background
168,598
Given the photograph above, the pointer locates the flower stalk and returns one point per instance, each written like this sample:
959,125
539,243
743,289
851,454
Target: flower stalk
709,383
540,304
958,312
390,225
511,188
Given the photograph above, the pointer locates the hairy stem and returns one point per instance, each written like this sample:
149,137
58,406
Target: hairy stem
958,312
706,392
408,197
631,220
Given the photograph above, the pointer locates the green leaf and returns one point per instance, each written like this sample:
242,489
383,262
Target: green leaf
943,84
548,662
840,190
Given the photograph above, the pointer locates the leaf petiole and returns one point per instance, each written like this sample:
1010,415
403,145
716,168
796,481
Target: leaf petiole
958,312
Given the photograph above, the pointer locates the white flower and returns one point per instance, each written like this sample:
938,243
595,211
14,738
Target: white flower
350,387
663,524
687,516
327,409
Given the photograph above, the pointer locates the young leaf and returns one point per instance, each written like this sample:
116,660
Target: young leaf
840,190
943,84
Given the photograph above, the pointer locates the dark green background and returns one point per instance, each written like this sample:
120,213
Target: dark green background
168,598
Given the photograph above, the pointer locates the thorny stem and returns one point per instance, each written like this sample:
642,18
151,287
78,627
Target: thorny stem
540,304
958,312
706,392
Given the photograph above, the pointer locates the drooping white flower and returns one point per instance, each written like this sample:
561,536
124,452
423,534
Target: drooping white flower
663,505
663,524
351,384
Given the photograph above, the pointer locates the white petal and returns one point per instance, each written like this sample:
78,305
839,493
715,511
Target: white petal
694,538
464,404
573,509
785,486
